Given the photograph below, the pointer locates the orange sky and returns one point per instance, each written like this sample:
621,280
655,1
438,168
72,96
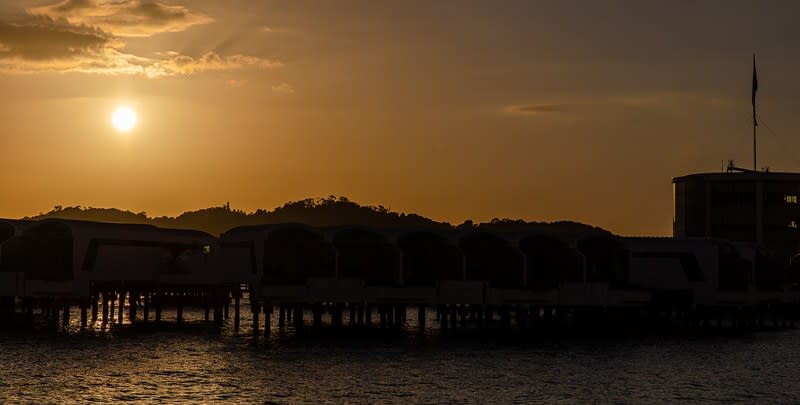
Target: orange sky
453,110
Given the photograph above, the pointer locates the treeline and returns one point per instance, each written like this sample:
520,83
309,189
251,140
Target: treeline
321,212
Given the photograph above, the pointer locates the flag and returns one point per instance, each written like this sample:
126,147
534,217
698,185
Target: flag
755,89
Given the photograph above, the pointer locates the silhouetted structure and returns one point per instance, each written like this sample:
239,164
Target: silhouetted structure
742,206
537,273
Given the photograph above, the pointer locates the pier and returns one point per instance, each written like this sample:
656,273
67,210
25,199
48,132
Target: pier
303,277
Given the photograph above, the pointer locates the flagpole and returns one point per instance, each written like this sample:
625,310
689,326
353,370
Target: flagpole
755,121
755,166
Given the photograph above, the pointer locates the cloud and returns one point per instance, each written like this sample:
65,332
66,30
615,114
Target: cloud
124,18
43,38
271,29
42,44
82,36
236,83
663,101
540,108
283,88
177,64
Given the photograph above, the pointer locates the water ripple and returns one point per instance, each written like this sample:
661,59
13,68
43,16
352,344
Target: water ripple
202,364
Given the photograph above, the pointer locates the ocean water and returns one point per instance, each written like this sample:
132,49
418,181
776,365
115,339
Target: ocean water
198,362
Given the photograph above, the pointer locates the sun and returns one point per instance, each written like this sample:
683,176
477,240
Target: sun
124,119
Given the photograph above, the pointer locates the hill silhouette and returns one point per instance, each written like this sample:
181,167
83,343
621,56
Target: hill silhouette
320,212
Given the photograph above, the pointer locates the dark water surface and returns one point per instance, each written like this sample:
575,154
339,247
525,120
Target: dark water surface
201,363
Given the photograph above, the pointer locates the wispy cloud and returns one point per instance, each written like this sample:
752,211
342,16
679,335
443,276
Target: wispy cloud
125,18
283,88
603,104
540,108
236,83
178,64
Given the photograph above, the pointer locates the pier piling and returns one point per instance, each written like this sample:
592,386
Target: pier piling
133,301
236,316
112,299
94,300
121,306
255,310
297,318
267,320
146,307
105,308
84,316
158,303
316,315
65,316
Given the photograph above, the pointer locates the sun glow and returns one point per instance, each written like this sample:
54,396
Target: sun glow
124,119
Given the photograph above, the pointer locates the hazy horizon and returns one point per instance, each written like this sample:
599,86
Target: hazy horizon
533,110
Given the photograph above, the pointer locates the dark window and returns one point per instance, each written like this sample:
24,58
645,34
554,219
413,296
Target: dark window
689,264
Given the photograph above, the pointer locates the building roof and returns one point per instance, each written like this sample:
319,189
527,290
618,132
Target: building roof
73,223
746,176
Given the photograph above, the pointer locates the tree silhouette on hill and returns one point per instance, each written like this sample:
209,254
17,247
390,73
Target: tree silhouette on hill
321,212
